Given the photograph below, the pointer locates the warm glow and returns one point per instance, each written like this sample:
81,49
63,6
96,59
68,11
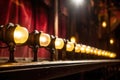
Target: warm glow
112,55
82,49
78,2
107,54
69,46
95,51
92,50
73,39
20,35
104,24
59,43
111,41
44,39
88,49
103,53
99,52
77,48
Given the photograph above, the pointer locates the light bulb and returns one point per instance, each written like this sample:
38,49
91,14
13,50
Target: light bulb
103,53
69,46
92,50
20,35
112,55
59,43
77,48
95,51
107,54
73,39
99,52
104,24
44,39
82,49
88,49
111,41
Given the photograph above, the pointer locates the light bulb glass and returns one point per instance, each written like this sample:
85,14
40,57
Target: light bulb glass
112,55
77,48
82,49
103,53
111,41
73,39
104,24
95,51
92,50
69,46
44,39
107,54
59,43
99,52
88,49
20,35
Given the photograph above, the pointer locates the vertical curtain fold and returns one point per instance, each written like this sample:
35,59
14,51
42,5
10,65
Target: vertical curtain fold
21,12
32,14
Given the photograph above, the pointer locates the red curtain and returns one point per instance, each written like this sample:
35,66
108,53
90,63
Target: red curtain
34,15
28,14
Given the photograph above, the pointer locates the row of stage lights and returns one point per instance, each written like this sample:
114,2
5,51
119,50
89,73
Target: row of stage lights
14,34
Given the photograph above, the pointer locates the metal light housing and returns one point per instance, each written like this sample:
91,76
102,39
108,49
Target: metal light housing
40,39
13,33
